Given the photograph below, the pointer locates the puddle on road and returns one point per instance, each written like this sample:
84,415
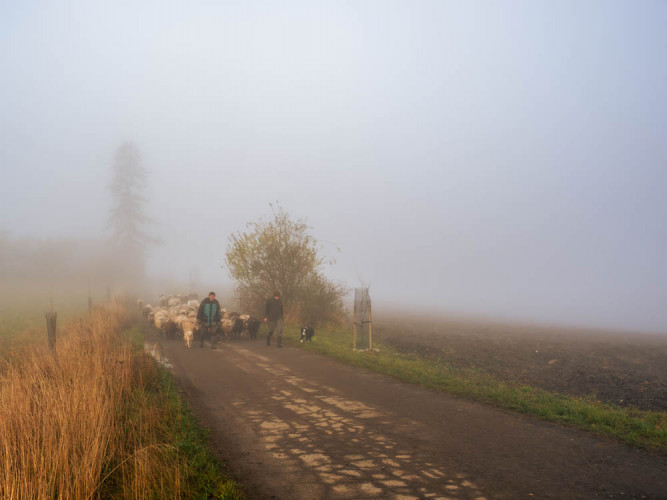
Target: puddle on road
156,351
330,436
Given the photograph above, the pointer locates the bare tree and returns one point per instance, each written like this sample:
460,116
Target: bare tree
128,219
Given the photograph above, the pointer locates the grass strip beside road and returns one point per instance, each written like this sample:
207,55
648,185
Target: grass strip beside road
205,475
644,429
200,474
99,419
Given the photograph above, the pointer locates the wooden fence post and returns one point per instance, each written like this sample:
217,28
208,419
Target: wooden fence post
51,327
90,299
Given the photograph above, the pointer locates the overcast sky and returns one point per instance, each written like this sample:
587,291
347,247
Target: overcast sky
507,159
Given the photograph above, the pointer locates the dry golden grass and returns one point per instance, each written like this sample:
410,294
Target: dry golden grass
79,425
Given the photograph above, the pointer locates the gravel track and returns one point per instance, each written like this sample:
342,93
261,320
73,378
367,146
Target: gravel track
295,425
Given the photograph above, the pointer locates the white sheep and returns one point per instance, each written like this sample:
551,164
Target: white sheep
146,311
179,319
160,318
188,329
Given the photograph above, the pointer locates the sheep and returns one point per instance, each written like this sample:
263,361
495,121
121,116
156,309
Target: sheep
160,318
173,301
188,329
193,303
232,327
252,326
146,310
163,319
170,328
226,326
244,331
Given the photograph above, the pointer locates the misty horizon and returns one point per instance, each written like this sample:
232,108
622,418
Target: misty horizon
464,158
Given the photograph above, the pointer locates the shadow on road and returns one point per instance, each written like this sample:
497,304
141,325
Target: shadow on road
328,435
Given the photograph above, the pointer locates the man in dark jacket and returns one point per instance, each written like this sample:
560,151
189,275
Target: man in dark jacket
274,317
208,317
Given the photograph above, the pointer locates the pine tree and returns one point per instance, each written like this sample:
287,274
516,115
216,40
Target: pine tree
127,221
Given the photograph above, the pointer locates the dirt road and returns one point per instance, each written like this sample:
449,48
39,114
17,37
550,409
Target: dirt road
294,425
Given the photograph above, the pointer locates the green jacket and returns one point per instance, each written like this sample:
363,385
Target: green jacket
209,311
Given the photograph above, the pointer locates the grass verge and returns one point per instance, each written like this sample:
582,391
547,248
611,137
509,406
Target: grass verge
644,429
204,475
99,420
199,474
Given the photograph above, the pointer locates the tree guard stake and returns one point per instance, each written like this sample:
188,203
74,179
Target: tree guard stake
354,335
362,316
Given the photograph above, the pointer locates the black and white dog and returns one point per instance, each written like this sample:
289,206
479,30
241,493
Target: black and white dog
307,333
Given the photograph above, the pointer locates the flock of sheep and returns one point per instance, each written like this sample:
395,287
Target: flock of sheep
177,316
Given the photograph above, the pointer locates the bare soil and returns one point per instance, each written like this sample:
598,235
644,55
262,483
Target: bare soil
296,425
620,368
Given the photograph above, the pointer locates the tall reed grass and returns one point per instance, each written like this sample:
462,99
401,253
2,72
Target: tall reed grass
82,423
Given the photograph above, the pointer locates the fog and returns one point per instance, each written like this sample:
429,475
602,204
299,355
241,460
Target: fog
471,158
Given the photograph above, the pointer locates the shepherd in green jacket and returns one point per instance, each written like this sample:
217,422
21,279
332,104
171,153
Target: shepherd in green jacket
209,316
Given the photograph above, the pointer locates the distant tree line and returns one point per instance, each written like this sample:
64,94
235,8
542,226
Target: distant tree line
38,261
